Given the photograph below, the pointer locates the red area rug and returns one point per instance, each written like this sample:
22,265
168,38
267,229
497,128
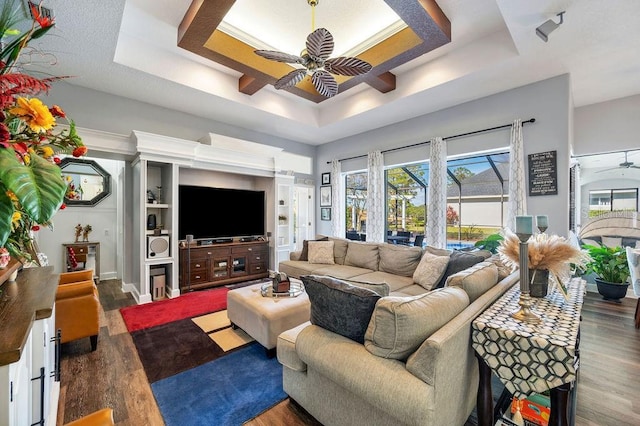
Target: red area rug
188,305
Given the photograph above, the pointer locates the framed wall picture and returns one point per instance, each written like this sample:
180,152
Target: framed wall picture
325,213
326,178
325,196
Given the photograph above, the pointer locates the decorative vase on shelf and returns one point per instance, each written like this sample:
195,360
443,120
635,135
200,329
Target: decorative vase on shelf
539,282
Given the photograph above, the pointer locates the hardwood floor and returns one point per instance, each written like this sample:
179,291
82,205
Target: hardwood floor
112,376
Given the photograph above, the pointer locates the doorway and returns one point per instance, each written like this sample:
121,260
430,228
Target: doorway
303,220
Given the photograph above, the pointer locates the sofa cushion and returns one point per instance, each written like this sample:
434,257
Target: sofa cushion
321,252
340,307
304,254
458,261
430,270
364,255
395,282
398,259
475,280
399,325
340,246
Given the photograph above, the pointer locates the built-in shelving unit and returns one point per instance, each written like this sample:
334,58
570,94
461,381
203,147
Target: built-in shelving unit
161,161
284,214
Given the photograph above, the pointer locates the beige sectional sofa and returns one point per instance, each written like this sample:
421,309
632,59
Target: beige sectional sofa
415,365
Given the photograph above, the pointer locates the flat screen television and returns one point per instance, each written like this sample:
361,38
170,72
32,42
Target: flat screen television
210,213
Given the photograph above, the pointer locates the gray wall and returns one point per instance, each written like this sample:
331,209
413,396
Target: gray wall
598,128
608,126
547,101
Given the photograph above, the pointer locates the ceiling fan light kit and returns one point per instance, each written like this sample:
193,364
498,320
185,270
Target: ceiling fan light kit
316,62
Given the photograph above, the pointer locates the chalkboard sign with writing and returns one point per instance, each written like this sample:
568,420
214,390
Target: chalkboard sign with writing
543,173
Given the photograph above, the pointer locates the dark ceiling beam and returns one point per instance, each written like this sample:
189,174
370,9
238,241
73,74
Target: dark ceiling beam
383,83
249,85
428,29
425,18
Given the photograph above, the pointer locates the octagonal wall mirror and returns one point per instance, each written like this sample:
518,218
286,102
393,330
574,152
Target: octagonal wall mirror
87,182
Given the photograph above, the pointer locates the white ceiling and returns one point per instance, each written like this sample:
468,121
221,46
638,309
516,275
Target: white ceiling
128,48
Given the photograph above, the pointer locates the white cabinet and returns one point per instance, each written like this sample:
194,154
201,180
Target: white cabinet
284,236
155,226
44,370
29,386
15,393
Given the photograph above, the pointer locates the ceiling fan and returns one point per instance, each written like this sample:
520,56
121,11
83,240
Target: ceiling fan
316,62
626,164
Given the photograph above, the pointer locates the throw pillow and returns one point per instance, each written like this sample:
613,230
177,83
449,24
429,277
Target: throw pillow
430,270
339,306
304,254
458,261
321,252
503,270
399,325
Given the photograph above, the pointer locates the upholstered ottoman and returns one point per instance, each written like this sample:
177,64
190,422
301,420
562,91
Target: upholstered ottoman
264,318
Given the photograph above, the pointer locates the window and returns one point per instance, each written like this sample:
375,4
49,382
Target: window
356,193
476,197
609,200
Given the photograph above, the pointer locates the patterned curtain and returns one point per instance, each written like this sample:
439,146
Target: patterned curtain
517,181
376,218
437,207
337,201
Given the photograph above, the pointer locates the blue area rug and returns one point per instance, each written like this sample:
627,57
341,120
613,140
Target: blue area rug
227,391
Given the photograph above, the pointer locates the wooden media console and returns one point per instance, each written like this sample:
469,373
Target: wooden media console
220,264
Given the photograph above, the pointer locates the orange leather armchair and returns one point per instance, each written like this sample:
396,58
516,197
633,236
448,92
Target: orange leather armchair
102,417
77,307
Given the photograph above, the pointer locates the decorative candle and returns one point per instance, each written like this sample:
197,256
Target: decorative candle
524,225
542,221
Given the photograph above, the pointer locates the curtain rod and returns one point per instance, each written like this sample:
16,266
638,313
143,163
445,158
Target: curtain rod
504,126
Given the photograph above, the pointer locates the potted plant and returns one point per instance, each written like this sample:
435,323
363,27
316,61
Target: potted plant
491,243
611,269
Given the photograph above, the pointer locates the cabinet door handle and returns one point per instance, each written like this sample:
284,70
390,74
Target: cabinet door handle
258,268
197,277
209,253
257,257
197,265
250,249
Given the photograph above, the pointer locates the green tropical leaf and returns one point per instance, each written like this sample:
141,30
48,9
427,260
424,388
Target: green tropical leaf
6,213
38,186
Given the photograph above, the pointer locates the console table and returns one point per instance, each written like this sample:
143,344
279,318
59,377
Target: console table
530,358
83,251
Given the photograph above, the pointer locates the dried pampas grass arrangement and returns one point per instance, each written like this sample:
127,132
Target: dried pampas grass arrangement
551,252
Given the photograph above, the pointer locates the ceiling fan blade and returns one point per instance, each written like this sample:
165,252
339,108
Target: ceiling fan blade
345,65
324,83
291,79
617,168
280,56
320,44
